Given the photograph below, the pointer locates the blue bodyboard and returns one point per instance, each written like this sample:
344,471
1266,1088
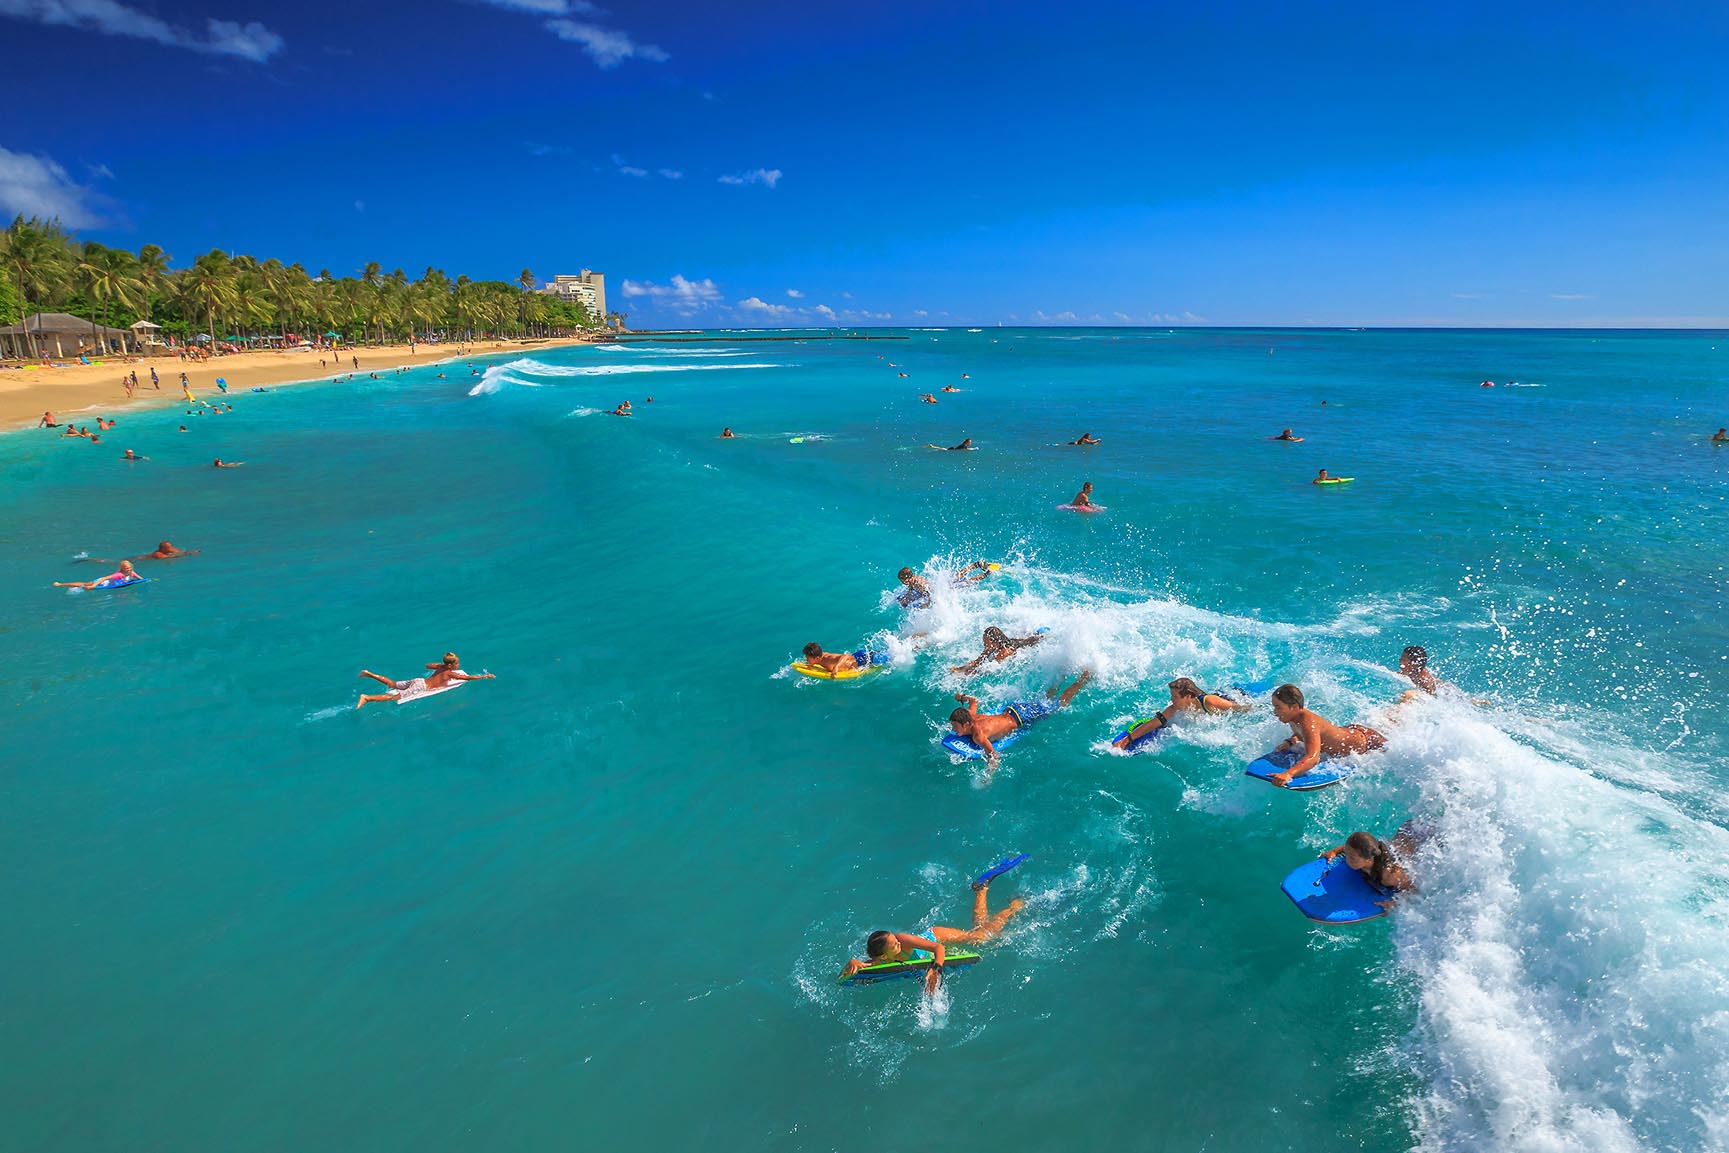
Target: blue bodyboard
1334,893
1324,774
1255,688
122,584
1149,739
961,747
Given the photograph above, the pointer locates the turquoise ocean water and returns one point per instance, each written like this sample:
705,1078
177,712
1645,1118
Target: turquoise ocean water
602,899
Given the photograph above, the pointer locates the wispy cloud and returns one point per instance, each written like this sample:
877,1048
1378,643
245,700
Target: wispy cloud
607,47
536,149
37,186
824,311
249,41
768,176
1571,296
1466,296
795,294
547,7
671,173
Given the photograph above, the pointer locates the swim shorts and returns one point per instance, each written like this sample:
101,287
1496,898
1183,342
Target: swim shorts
1028,713
408,690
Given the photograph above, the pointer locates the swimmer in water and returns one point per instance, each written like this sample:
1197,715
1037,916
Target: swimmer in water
130,455
830,663
950,388
1084,498
886,948
927,397
1414,667
998,647
1721,436
438,676
220,463
918,594
1487,384
984,729
961,447
120,575
1383,864
726,434
1286,435
1316,735
967,375
1321,477
1086,438
1186,697
621,410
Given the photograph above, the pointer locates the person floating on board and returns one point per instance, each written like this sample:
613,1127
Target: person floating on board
1321,477
439,676
984,729
119,576
1084,498
983,568
1086,438
1720,437
1286,435
886,948
950,388
1316,735
1382,864
999,647
220,463
927,397
167,551
830,663
963,446
726,433
918,594
1186,697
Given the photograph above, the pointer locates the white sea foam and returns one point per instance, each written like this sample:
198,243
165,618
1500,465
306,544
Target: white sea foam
1568,953
523,372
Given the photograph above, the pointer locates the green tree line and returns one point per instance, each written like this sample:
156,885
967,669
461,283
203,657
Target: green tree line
45,268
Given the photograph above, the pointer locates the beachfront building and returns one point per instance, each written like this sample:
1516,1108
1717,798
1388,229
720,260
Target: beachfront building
588,289
59,334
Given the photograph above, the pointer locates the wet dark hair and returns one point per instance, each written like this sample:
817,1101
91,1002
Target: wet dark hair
1370,846
812,651
1289,695
1417,655
904,573
878,944
994,635
960,717
1184,686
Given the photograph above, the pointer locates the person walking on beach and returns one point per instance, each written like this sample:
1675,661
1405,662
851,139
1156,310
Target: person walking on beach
155,381
886,948
356,360
1317,736
441,675
126,386
984,729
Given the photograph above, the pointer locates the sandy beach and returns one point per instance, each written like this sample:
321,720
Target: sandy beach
72,388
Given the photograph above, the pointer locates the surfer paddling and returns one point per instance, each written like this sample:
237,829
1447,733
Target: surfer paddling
999,647
886,948
1186,697
1316,735
443,675
984,729
125,574
1382,863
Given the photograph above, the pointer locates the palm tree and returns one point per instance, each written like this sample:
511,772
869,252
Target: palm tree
38,257
108,275
209,284
152,272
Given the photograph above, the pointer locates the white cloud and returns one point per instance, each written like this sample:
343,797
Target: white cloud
100,171
37,186
1466,296
1570,296
921,312
1123,316
250,41
672,174
627,170
607,47
846,296
681,294
824,311
547,7
795,294
768,176
756,304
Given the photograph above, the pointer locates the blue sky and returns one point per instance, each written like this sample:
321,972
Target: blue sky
962,162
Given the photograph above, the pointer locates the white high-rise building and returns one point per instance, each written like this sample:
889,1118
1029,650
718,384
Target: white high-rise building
589,288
